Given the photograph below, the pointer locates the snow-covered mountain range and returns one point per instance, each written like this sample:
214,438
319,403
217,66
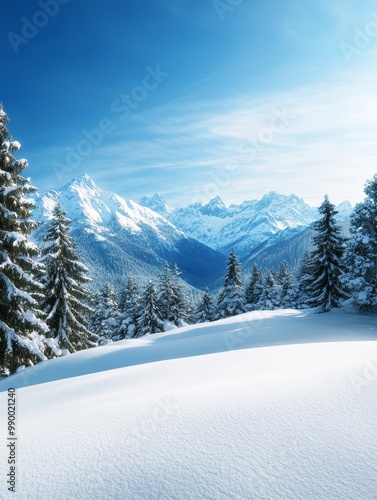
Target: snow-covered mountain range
244,227
117,238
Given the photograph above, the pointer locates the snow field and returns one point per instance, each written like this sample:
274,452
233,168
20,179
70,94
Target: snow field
279,414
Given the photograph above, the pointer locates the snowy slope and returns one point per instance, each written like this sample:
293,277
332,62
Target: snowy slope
272,405
116,238
245,226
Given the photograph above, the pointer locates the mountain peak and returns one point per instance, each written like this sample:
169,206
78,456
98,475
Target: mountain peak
344,210
157,204
83,180
271,196
158,197
83,184
216,207
216,202
84,177
274,199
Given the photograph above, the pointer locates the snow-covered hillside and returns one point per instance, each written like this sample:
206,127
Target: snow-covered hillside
245,226
116,238
266,405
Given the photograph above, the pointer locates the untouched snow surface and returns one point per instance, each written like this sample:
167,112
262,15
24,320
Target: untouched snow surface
272,405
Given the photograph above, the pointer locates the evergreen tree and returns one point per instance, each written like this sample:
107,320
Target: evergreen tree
166,293
231,298
150,319
22,341
129,306
275,275
270,296
106,316
95,318
255,288
324,284
173,302
304,281
361,254
179,301
284,275
190,307
289,293
205,310
66,296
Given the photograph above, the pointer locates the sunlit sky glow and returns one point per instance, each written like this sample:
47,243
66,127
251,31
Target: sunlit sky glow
264,96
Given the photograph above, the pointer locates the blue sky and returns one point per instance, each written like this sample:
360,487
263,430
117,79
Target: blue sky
195,98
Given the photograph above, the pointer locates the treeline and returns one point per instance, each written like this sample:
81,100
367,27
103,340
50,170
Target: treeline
163,304
159,307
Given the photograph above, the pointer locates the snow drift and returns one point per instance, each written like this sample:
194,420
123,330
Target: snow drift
272,405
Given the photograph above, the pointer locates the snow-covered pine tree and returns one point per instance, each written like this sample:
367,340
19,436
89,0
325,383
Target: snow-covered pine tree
173,301
190,308
66,297
231,298
361,253
270,297
284,275
179,303
95,318
289,293
254,291
304,281
205,310
129,307
22,330
150,319
166,293
107,315
326,267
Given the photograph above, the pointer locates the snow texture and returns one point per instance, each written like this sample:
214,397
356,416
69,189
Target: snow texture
273,405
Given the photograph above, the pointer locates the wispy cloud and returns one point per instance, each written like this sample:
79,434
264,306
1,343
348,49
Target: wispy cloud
323,142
